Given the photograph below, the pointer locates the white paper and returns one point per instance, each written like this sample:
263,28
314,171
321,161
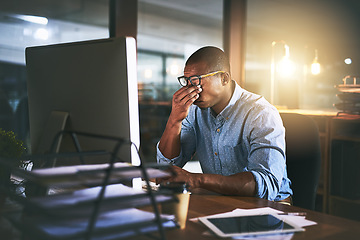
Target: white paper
297,220
75,169
75,203
84,195
301,221
243,212
92,174
72,226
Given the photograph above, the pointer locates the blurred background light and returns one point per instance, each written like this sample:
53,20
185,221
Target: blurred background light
174,69
286,67
32,19
41,34
348,61
315,66
148,73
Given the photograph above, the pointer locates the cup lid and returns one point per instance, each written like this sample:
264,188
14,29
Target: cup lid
175,186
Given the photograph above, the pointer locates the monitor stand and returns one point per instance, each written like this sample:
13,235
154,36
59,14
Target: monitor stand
55,124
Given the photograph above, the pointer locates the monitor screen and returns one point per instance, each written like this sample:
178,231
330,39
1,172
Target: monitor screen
88,86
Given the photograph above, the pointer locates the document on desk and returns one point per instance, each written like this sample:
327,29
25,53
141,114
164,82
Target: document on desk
110,225
76,198
91,174
300,221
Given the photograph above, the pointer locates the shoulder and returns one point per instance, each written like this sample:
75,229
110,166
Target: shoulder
257,109
251,101
248,100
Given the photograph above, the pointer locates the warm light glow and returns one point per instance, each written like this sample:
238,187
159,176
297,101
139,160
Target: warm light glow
41,34
287,51
315,68
348,61
148,73
285,67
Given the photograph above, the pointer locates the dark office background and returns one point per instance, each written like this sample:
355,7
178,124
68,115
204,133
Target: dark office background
169,31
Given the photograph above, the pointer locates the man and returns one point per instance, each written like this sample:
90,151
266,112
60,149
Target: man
237,136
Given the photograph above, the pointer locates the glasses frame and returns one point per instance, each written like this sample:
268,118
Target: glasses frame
188,79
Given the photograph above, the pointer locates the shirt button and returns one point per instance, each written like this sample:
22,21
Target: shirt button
216,153
218,130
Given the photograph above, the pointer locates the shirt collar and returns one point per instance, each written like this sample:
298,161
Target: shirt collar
228,110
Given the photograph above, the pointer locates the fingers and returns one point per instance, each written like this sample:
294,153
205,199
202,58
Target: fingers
161,180
172,178
167,179
187,95
182,101
179,175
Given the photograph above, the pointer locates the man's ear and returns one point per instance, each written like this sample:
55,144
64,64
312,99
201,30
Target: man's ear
225,78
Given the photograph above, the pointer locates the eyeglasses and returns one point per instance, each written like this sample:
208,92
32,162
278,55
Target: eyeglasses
196,79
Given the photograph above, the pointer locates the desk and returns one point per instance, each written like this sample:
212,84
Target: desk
328,227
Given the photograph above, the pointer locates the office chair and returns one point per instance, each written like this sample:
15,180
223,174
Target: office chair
303,157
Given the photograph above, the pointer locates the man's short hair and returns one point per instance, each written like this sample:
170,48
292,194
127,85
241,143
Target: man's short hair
214,58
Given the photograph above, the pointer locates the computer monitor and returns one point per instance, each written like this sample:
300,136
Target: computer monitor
88,86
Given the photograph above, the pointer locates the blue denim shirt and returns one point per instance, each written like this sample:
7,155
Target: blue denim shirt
247,136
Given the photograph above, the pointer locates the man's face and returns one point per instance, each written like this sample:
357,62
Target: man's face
211,86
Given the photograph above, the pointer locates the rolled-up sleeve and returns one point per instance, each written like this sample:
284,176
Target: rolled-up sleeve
161,159
267,153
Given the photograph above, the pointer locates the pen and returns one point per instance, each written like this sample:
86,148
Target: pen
293,213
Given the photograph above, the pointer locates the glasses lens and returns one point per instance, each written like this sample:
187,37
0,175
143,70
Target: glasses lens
195,81
183,81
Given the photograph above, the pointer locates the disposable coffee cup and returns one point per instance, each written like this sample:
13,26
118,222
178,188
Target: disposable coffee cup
179,207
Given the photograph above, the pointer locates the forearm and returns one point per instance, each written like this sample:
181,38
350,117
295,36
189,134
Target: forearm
169,144
241,184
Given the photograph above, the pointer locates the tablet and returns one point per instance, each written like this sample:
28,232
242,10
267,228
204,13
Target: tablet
248,225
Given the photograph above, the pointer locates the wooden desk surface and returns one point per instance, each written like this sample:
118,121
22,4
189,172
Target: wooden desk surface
328,227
